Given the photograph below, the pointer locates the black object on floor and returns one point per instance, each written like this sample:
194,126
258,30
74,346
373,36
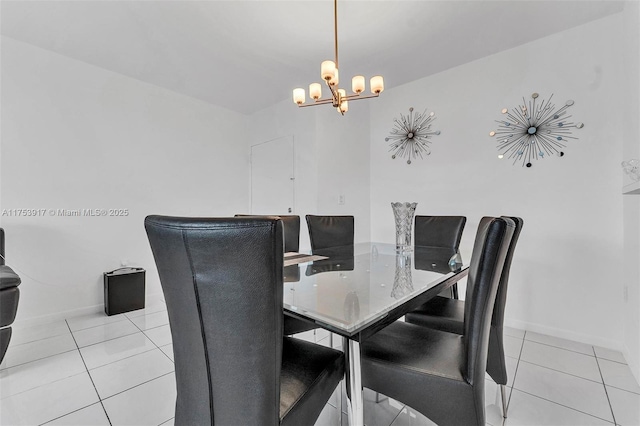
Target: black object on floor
124,290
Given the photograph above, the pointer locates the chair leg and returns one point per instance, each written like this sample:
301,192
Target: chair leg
331,340
454,290
504,401
341,387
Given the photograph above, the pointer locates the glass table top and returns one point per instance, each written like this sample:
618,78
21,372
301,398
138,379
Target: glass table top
357,285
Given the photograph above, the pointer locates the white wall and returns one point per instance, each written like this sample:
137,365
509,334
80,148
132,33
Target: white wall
284,119
566,275
343,156
331,159
76,136
631,203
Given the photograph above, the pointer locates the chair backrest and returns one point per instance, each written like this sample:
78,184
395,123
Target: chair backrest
489,253
435,259
330,231
501,297
291,226
222,282
1,246
439,231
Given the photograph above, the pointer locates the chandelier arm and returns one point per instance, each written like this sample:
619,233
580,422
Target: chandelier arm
318,102
334,94
357,97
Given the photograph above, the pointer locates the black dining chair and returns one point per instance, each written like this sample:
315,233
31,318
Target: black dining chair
330,231
441,374
291,229
440,231
446,314
291,226
9,298
222,282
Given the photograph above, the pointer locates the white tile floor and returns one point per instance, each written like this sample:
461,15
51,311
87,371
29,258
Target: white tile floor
118,370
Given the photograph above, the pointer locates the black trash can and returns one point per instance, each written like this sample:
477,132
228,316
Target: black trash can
123,290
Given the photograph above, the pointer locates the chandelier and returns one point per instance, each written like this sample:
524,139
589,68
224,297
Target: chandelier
329,72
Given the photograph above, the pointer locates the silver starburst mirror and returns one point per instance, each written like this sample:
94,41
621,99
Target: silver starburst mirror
534,130
411,135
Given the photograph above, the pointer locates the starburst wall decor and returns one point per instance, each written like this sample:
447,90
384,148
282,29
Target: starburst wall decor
411,135
534,130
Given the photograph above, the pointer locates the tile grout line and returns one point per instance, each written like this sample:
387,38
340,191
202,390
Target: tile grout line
89,374
95,326
560,371
154,343
138,385
559,347
549,400
398,415
513,384
545,399
604,385
43,384
124,335
39,359
564,406
127,357
105,340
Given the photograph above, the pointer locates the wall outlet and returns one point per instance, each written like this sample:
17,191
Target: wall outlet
625,293
341,200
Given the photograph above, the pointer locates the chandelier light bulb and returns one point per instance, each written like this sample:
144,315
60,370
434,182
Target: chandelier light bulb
298,96
344,106
336,78
377,84
328,70
315,91
357,84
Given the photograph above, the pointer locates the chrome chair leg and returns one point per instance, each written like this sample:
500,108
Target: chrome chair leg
331,340
504,401
341,389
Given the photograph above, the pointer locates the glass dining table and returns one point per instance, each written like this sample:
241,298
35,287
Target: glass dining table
355,291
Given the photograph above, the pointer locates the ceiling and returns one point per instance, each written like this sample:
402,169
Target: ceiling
248,55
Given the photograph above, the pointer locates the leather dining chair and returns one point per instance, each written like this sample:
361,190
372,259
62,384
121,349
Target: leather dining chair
222,280
291,229
446,314
9,298
330,231
441,374
291,226
440,231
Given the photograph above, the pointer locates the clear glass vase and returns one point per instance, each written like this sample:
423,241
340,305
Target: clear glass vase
403,213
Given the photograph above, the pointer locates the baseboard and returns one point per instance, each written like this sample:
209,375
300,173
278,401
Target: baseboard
632,362
57,316
567,334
